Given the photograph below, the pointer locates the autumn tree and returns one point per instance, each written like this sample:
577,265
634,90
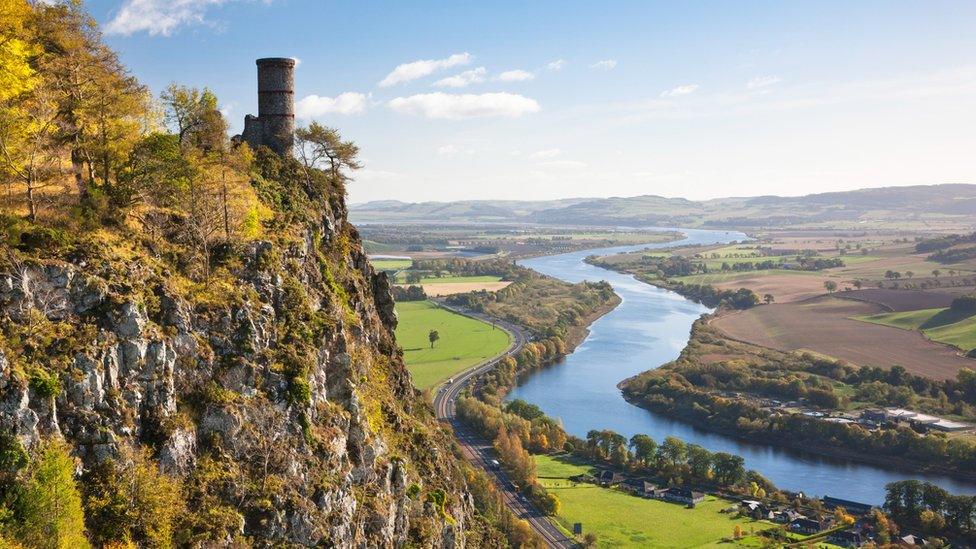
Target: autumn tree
131,501
49,512
194,116
319,146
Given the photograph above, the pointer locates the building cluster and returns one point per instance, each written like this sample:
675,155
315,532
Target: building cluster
869,419
643,488
917,420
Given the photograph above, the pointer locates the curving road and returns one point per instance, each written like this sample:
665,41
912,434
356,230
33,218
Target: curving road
478,451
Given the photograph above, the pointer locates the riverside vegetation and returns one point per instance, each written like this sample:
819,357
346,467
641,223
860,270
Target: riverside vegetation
700,387
195,328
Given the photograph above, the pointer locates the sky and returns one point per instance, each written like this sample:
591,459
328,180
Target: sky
554,99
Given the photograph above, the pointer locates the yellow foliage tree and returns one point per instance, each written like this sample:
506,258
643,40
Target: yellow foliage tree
49,508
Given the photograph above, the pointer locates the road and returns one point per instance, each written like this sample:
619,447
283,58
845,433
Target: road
480,452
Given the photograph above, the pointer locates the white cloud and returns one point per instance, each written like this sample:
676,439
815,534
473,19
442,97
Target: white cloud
425,67
762,82
473,76
680,90
452,150
563,164
606,64
517,75
556,65
546,153
345,103
159,17
298,62
449,106
227,108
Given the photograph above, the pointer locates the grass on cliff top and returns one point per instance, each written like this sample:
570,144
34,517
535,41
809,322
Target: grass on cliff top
942,325
463,342
622,520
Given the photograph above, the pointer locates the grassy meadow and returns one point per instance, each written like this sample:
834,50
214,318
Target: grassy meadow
451,279
942,325
391,264
463,341
622,520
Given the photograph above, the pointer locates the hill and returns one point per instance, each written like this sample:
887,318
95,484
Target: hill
950,206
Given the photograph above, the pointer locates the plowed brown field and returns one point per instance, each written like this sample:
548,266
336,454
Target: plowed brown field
822,325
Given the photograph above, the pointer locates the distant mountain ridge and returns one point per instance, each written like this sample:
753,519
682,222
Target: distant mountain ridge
921,203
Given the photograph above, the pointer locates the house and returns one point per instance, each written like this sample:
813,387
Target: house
656,493
683,495
899,414
638,487
806,526
950,426
845,538
923,421
755,509
852,507
787,516
609,478
875,416
913,540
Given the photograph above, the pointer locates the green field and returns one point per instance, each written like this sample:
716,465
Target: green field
942,325
391,264
731,276
463,342
448,279
623,520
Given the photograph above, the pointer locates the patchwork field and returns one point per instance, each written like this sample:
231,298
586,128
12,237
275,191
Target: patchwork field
784,285
450,288
942,325
904,300
823,325
622,520
450,279
463,341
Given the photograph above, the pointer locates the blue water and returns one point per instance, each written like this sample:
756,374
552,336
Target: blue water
649,328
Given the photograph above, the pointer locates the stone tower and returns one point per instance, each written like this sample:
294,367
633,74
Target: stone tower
274,126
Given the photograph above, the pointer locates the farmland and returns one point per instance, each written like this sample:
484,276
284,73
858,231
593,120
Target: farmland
623,520
942,325
478,241
463,342
451,288
824,325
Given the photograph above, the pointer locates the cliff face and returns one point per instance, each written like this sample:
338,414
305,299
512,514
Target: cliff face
275,393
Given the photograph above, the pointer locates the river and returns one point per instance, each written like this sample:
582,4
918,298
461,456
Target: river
649,328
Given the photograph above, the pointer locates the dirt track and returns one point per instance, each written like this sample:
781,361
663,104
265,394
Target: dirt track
821,325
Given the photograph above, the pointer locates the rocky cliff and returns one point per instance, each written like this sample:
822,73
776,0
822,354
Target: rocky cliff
273,390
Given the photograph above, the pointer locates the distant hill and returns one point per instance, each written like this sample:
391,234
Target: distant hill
933,206
461,211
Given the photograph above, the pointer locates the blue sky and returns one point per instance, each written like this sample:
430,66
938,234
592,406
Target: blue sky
550,99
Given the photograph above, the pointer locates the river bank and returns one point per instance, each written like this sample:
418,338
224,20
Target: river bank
829,451
649,328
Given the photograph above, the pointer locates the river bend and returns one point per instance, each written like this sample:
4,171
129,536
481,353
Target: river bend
649,328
